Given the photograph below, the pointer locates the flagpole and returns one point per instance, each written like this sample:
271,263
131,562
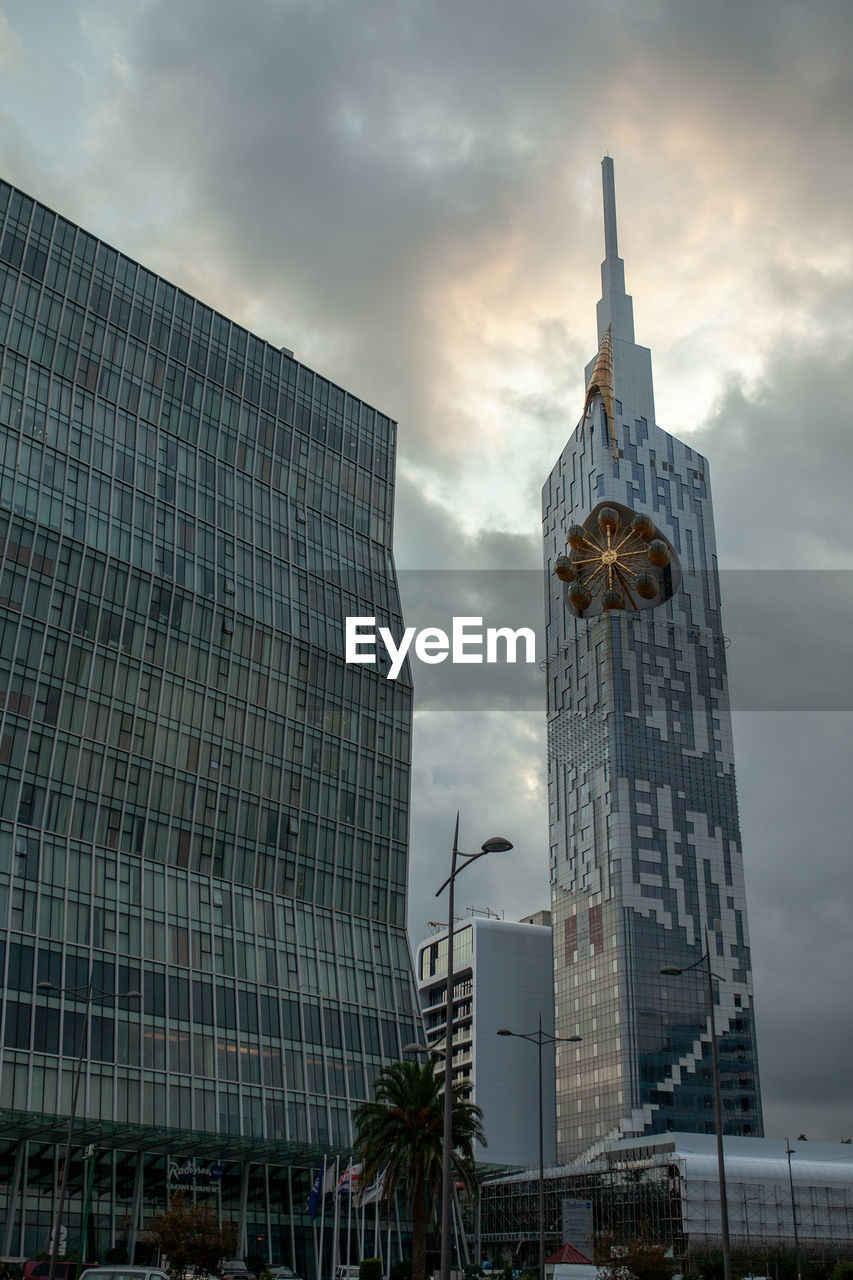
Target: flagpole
336,1238
397,1224
322,1220
349,1216
360,1223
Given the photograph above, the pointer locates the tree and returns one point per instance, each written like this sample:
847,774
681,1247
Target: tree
189,1235
401,1133
639,1258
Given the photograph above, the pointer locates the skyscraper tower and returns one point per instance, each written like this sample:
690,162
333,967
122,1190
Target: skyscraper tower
199,800
645,839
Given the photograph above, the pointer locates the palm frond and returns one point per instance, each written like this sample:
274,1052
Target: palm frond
401,1131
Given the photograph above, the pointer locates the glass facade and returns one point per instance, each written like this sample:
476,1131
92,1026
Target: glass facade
199,800
645,840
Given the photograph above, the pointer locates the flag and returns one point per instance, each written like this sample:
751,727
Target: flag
316,1194
375,1192
323,1184
348,1182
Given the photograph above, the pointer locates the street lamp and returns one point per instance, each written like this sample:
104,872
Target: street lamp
91,993
417,1047
672,971
496,844
789,1151
539,1038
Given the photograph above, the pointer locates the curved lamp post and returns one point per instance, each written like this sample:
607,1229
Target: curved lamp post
672,971
89,993
539,1038
496,844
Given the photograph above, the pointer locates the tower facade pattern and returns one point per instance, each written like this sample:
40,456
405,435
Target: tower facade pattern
645,840
199,800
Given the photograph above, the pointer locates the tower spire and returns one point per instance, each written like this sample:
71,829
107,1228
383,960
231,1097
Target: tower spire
621,370
611,248
615,310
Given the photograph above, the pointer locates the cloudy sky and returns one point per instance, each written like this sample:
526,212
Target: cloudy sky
407,193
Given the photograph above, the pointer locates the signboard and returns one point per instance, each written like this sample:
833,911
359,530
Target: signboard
63,1242
192,1176
577,1225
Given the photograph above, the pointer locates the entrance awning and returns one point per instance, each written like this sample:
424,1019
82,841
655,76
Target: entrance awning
34,1126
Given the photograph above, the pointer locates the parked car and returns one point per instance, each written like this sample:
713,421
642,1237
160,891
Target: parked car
41,1270
123,1273
283,1273
234,1269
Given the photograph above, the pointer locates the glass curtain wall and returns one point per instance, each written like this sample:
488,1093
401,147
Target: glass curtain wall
199,800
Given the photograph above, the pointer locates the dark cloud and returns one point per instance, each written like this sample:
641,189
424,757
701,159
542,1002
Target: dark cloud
491,767
781,454
429,536
781,458
793,775
343,162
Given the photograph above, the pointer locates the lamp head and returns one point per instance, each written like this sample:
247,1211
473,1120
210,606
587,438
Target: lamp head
46,986
671,972
504,1031
496,844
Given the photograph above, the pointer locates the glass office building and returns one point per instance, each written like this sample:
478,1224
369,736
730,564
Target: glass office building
199,800
645,840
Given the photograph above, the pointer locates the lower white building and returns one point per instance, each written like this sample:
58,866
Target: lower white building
765,1193
503,978
668,1185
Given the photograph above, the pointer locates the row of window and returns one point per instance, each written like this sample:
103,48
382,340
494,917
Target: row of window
128,1095
59,422
215,1009
142,309
312,936
104,579
103,599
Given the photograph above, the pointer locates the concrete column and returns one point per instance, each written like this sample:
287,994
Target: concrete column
244,1204
135,1208
14,1197
292,1259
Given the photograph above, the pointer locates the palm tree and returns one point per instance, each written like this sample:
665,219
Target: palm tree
401,1133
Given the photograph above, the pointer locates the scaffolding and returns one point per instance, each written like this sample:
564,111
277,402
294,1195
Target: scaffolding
623,1203
668,1189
